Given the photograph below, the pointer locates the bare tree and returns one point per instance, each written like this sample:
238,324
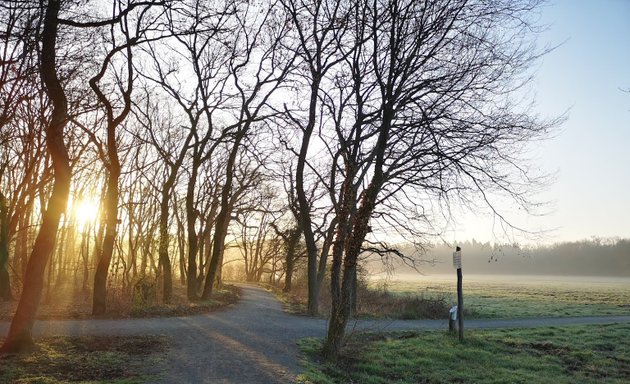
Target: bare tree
428,95
159,124
132,31
256,49
20,337
256,220
318,29
198,31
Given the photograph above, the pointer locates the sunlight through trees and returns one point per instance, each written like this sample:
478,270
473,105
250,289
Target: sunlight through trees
182,143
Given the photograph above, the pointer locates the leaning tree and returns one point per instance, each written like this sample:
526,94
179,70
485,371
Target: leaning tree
20,337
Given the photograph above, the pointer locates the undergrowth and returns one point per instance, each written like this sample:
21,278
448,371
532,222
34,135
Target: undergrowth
374,302
94,359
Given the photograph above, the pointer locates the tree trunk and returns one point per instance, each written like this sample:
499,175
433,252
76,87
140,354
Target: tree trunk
304,206
359,229
21,247
342,304
223,218
99,299
191,218
294,240
20,336
347,200
323,258
340,315
85,251
353,293
5,286
164,260
181,245
218,280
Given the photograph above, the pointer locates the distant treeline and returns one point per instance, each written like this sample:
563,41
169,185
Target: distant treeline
595,257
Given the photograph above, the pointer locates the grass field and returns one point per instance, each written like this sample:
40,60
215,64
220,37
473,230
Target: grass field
575,354
522,296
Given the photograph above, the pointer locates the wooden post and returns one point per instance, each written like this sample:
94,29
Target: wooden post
460,305
460,299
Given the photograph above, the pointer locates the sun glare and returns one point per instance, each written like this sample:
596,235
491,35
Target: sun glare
85,212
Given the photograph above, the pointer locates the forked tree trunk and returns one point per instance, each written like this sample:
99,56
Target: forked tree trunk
20,334
223,218
359,228
341,311
164,259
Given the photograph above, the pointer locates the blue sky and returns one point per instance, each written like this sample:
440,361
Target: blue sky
591,152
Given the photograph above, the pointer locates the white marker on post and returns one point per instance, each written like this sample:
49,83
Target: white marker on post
457,259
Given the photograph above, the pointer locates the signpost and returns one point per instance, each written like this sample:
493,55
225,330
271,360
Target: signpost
457,263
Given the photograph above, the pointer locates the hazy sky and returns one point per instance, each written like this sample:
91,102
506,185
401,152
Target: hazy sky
591,152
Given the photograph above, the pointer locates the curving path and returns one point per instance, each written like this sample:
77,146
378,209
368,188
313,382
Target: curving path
254,340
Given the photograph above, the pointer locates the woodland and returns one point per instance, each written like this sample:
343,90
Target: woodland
173,141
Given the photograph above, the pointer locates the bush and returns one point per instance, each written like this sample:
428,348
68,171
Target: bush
144,293
380,302
374,301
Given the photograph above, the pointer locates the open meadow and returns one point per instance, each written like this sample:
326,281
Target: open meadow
519,296
572,354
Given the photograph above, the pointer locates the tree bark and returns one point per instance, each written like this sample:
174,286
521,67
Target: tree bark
341,310
164,259
359,229
20,334
99,299
293,241
191,218
5,285
304,206
223,218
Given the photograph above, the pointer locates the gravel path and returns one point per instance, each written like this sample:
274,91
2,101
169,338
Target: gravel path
254,340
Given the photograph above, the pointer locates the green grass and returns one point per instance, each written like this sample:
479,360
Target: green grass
501,298
103,359
573,354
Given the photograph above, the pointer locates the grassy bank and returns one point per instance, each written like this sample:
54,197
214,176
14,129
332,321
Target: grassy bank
105,359
576,354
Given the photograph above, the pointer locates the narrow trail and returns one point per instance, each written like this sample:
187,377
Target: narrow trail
253,341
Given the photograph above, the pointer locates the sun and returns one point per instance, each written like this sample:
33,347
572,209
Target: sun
85,212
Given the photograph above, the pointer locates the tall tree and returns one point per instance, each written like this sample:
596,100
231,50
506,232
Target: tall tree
433,119
20,336
132,33
257,68
19,87
198,31
319,29
173,154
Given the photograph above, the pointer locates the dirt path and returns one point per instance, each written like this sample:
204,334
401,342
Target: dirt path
254,340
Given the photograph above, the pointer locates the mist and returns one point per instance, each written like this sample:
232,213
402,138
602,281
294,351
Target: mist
594,257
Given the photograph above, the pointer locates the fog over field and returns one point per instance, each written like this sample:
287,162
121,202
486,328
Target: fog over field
593,258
